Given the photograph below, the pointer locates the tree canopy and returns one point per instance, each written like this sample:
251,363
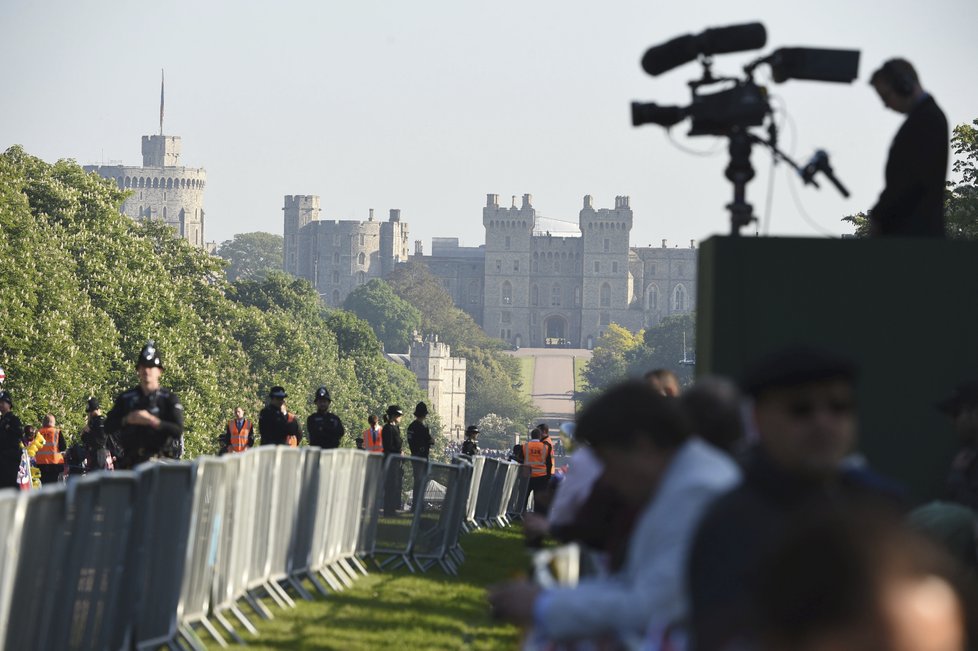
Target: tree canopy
84,287
393,319
251,256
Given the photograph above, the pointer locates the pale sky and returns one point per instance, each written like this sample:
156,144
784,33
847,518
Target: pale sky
428,106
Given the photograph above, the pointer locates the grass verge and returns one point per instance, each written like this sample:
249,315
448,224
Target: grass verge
399,610
527,369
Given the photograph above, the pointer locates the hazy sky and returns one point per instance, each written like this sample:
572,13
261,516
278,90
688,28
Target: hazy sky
429,106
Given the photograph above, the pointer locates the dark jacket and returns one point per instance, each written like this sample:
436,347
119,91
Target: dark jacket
274,427
140,443
325,430
471,448
391,438
11,431
419,439
742,527
912,203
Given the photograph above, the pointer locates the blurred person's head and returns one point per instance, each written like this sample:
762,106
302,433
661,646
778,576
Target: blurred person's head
536,434
962,407
859,581
897,85
238,413
804,409
663,381
712,406
372,420
48,420
544,430
635,432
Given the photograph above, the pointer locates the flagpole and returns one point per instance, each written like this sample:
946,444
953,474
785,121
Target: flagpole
161,101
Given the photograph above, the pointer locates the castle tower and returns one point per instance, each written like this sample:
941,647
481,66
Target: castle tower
442,377
162,190
605,286
507,268
299,210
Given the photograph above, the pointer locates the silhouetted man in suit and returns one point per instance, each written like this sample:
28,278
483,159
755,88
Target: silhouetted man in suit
912,203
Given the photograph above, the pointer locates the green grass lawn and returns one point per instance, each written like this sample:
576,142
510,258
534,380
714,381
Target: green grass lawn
527,368
399,610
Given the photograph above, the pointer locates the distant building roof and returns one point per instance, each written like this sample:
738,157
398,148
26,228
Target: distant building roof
399,358
555,227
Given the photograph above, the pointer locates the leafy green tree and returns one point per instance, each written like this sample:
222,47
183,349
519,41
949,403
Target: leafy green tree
663,348
609,360
392,318
497,432
251,256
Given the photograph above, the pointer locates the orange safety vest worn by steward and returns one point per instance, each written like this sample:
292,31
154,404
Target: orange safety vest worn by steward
535,455
49,454
291,439
372,440
239,437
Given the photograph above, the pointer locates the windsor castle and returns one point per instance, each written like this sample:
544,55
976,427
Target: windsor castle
535,282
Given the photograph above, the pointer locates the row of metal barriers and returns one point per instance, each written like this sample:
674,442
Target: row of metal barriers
149,558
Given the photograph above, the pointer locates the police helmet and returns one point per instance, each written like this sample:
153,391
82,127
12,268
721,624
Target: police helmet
421,409
7,398
277,392
394,410
149,356
322,393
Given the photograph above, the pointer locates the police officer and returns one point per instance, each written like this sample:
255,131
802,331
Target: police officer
419,434
100,450
391,439
469,446
11,430
276,425
324,429
147,420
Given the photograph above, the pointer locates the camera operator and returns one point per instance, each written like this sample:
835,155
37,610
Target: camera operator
912,203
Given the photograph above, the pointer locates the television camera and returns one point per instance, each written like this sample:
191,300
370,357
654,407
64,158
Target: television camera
738,103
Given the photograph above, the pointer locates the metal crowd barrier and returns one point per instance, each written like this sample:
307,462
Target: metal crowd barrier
148,559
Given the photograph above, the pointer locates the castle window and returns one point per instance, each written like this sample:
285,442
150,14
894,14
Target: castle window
577,297
516,265
164,213
508,242
336,239
506,295
506,317
679,299
652,269
607,245
156,183
555,295
597,267
653,303
614,267
533,318
473,292
499,266
169,184
361,242
336,258
605,319
605,295
361,259
336,277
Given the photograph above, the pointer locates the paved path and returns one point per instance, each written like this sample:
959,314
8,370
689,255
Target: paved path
553,380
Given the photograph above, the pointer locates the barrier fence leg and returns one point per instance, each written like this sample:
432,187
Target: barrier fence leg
227,627
357,563
302,592
283,598
189,635
316,583
212,630
258,606
330,579
244,620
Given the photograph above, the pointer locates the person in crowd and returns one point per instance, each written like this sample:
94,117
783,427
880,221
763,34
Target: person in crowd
419,434
239,434
50,458
962,408
861,581
644,443
373,440
392,445
804,415
11,433
276,424
516,454
97,449
324,428
470,446
912,203
539,456
147,420
663,381
714,407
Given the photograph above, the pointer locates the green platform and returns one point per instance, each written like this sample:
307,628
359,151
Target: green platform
907,310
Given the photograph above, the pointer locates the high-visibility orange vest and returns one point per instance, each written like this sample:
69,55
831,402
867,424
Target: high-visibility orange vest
239,437
49,454
535,456
291,439
372,440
